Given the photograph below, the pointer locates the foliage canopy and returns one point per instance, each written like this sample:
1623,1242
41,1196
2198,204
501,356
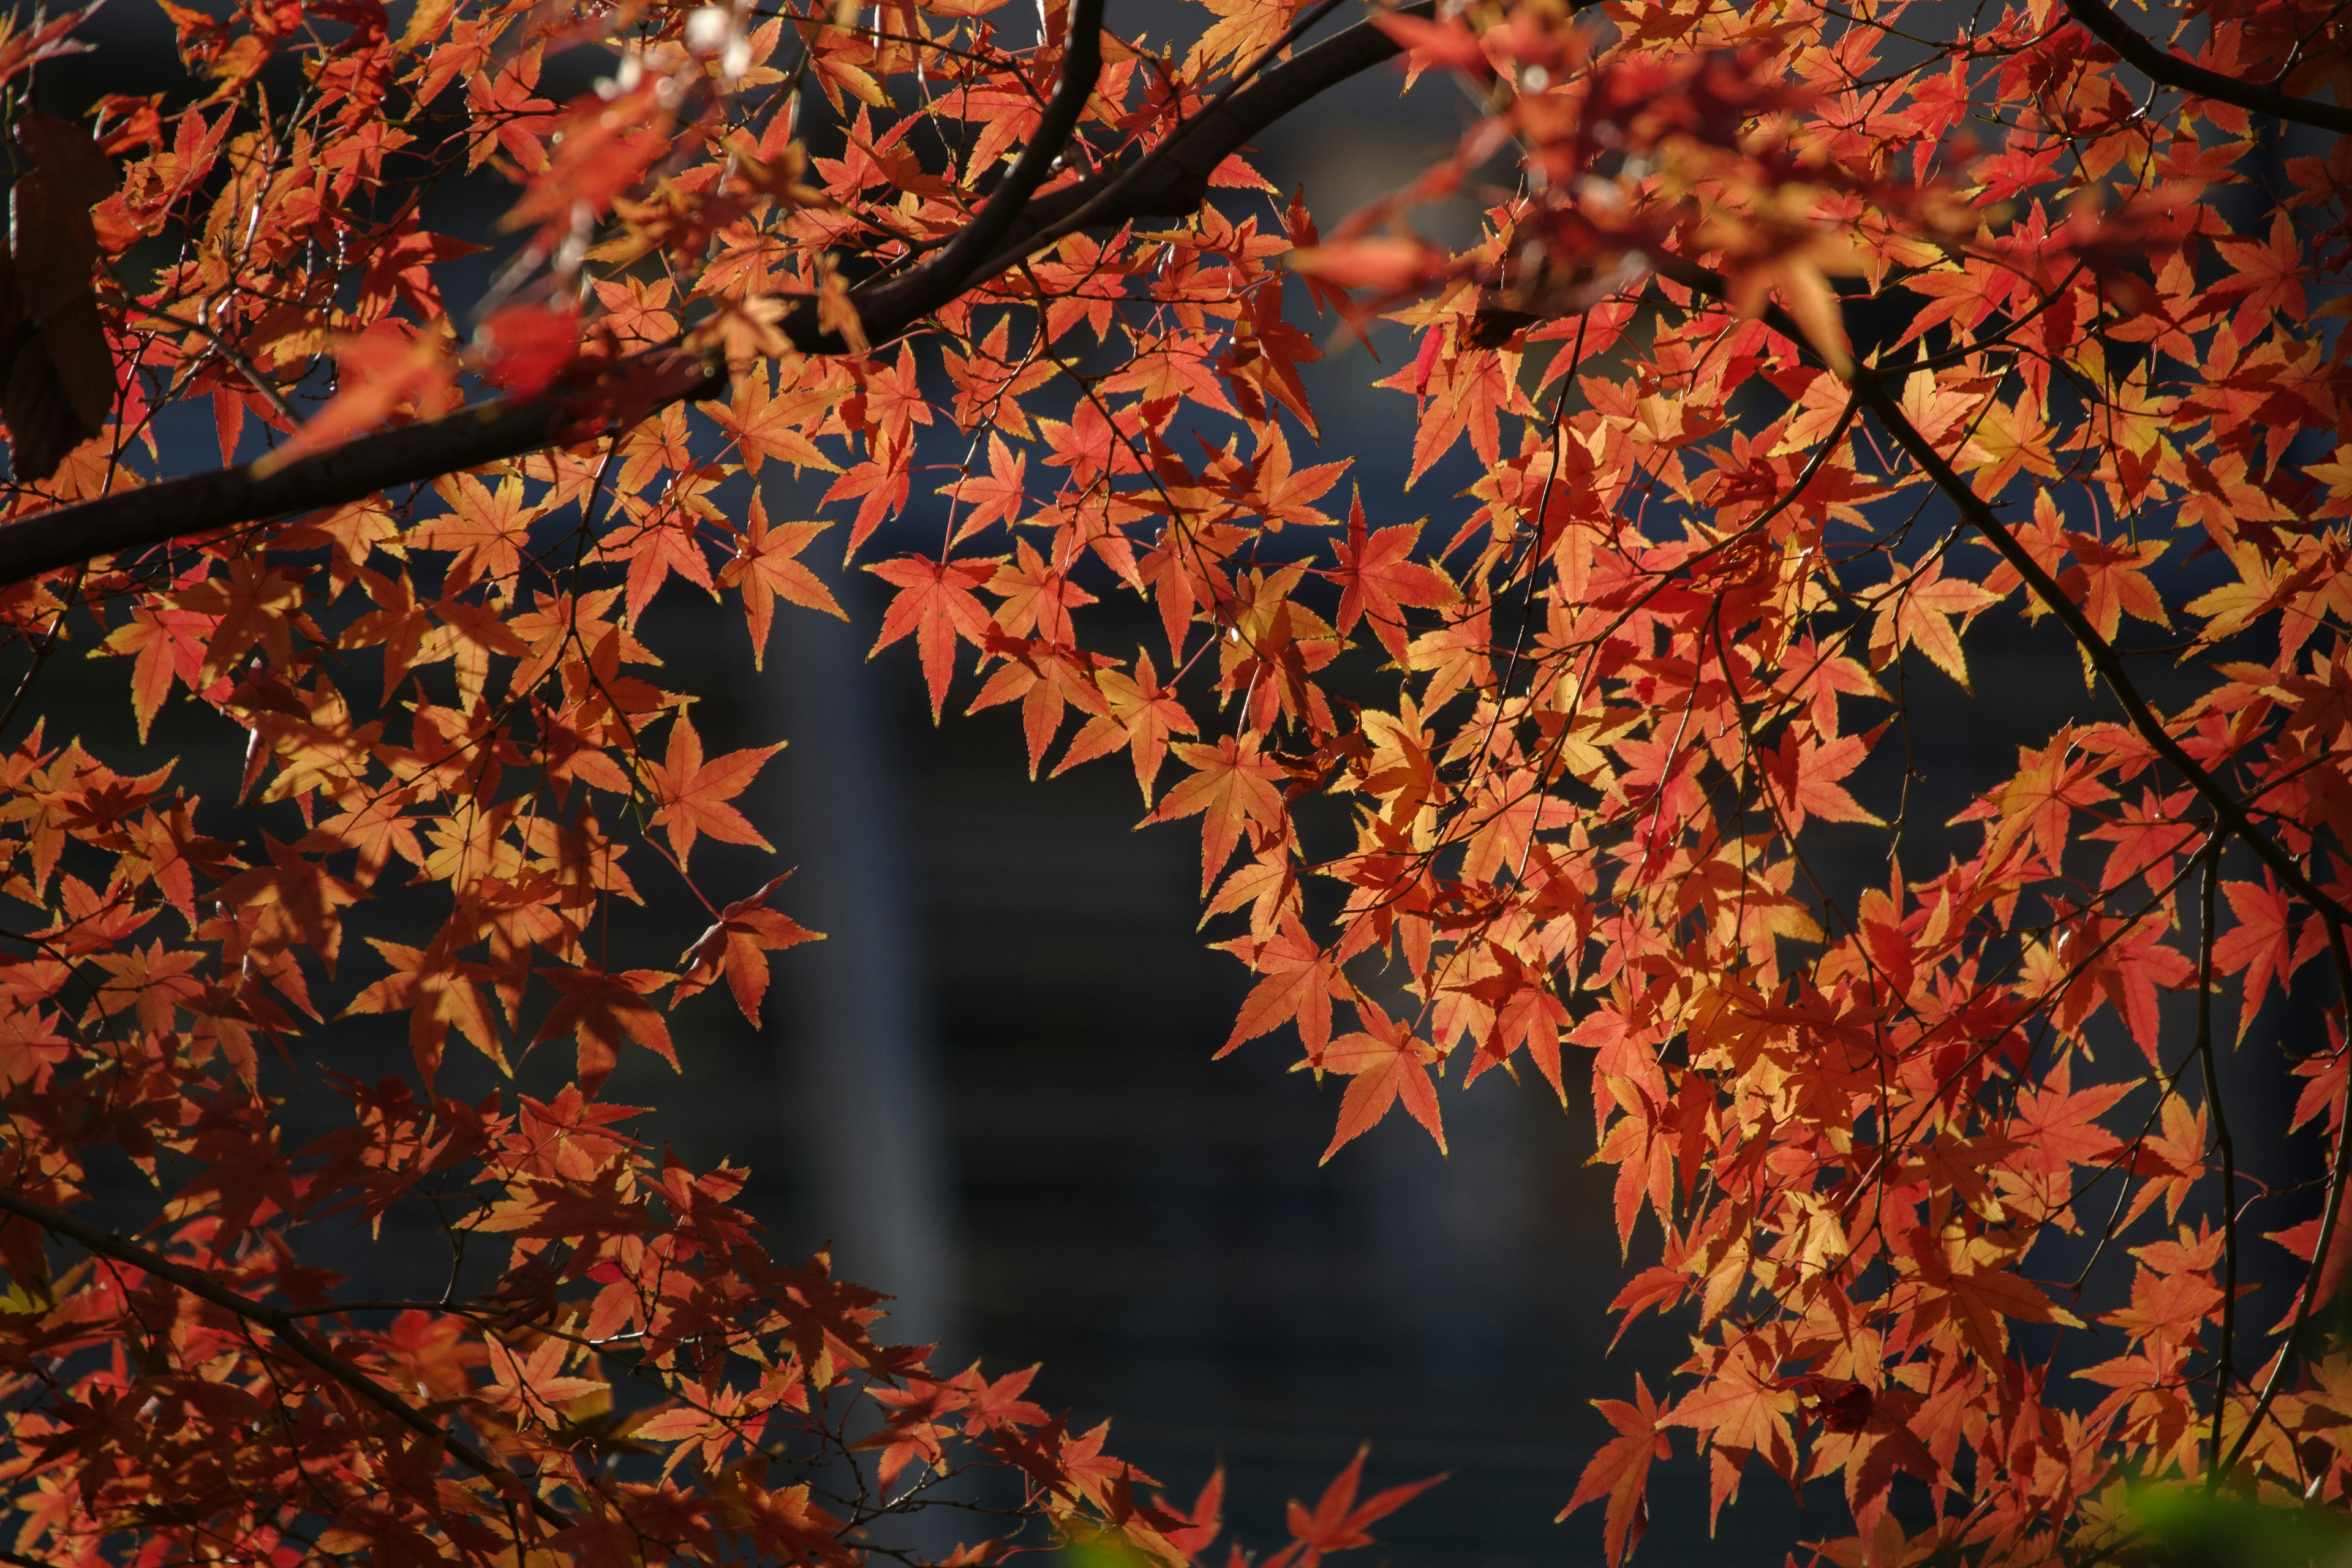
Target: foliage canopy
1801,348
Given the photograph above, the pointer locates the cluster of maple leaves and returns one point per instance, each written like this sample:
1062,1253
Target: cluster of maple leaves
1537,783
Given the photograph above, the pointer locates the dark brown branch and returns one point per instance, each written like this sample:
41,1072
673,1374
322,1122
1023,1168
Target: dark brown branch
280,1323
2333,916
2095,648
1171,178
1168,179
892,307
2162,65
2206,931
226,497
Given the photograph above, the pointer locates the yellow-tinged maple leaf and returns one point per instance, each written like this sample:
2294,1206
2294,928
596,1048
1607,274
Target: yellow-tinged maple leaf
1232,783
1741,1409
1973,1285
437,989
1918,613
487,529
533,1386
167,643
780,425
1244,30
1142,717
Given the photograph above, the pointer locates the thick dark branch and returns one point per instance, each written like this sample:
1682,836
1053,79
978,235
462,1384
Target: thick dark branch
280,1323
1168,179
2161,65
227,497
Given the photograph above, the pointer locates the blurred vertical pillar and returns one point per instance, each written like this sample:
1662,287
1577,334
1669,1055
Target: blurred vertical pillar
862,1098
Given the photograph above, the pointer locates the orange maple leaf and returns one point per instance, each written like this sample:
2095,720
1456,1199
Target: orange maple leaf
737,945
691,795
1385,1063
1620,1470
767,567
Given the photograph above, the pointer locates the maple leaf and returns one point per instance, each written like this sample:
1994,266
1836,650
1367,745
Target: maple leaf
1974,1286
533,1386
1300,980
999,496
1805,773
168,644
600,1009
2259,942
1378,578
2056,1124
487,529
1918,613
2174,1159
766,567
1233,783
296,900
1142,717
437,989
1337,1523
764,424
1200,1524
737,945
1384,1062
1244,30
1620,1470
936,603
691,796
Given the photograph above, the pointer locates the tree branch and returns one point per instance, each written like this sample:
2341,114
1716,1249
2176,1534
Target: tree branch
2095,648
890,307
1168,179
2207,928
281,1325
2162,65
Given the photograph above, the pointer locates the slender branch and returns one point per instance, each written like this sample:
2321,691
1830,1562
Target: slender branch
2161,65
280,1322
2333,916
2096,648
266,390
2205,934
